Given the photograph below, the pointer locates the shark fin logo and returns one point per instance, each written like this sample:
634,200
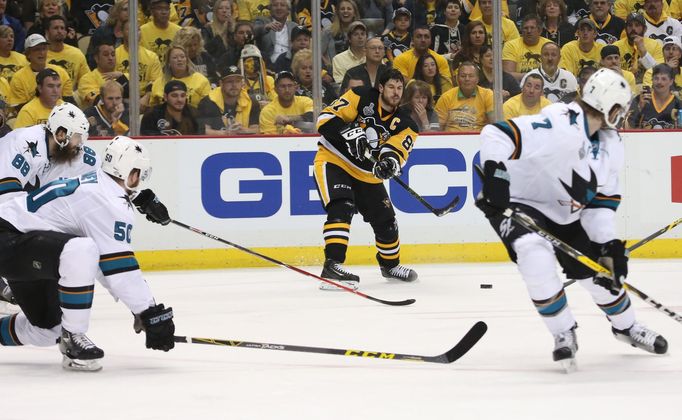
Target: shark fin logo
581,191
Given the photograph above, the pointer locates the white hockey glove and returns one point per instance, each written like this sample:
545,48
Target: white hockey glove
356,140
386,168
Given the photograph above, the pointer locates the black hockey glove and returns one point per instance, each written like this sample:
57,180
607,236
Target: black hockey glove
386,168
148,204
494,196
614,258
356,140
157,323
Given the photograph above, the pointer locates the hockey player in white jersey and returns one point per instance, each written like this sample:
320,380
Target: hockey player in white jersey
561,167
57,239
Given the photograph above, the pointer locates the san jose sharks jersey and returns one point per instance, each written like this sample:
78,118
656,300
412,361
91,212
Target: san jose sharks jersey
557,169
391,134
94,206
24,160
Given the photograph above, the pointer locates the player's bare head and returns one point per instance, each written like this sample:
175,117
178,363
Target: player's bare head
609,94
391,85
68,130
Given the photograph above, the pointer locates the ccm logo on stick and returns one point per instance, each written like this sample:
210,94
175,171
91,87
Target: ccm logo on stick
254,184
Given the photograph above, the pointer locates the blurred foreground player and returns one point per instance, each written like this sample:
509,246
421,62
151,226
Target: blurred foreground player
57,239
363,120
561,167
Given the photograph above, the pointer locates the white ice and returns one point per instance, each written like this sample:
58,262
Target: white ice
509,374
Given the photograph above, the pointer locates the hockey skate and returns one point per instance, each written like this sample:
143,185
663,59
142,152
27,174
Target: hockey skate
8,305
399,272
565,347
80,354
640,336
333,270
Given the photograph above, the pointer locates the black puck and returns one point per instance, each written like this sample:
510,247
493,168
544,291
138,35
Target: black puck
486,286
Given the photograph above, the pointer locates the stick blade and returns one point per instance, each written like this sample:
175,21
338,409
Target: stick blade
405,302
466,343
447,209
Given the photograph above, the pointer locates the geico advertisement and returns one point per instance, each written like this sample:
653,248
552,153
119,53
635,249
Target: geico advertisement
261,191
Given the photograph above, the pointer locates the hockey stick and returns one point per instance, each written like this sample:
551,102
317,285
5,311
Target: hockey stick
654,235
636,245
438,212
527,222
460,349
296,269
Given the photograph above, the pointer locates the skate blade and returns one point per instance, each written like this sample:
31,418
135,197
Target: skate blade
330,287
78,365
569,365
7,308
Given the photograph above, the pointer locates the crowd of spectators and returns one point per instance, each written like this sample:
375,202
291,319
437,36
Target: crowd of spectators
240,67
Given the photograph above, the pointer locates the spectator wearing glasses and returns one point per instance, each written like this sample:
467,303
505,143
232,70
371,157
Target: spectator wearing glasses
370,71
287,110
521,55
174,116
609,26
229,109
656,107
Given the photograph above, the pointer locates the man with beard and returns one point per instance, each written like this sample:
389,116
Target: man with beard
659,26
363,121
279,116
70,58
174,116
229,109
109,116
609,27
48,95
23,84
637,53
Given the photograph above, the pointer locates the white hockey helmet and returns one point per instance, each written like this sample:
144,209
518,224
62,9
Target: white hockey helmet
122,156
604,90
70,118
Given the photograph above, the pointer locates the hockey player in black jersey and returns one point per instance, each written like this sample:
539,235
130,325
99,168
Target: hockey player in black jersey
561,168
363,121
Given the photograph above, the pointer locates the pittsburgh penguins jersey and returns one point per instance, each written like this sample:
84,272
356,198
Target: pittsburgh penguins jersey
562,87
654,116
156,39
662,29
396,44
326,13
24,160
94,206
556,168
388,134
610,30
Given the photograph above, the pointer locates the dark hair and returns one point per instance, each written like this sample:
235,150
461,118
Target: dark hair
663,69
535,76
285,75
48,22
99,45
419,74
586,69
422,27
532,16
392,74
467,51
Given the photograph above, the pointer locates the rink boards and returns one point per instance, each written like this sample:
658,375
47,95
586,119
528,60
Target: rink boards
260,193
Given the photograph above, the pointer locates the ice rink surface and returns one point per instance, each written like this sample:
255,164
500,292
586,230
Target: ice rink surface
509,374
